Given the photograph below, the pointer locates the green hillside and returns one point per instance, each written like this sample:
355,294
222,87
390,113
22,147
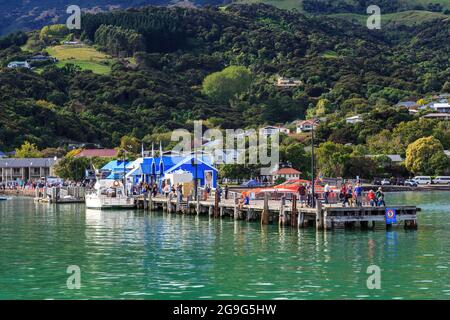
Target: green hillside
176,76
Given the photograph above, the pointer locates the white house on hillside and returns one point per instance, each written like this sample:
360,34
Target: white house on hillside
288,82
271,130
305,125
354,119
441,107
19,64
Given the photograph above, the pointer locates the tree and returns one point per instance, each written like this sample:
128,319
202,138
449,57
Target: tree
55,31
223,85
130,144
28,150
322,107
332,158
425,156
72,168
53,152
296,155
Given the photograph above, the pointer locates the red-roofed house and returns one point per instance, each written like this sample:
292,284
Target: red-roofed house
305,125
287,173
101,153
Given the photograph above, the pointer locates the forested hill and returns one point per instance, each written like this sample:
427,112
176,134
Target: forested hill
34,14
161,57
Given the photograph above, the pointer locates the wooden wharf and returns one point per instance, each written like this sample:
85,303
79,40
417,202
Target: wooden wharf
285,212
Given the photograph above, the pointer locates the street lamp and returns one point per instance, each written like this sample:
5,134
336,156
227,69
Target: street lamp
29,171
313,200
194,164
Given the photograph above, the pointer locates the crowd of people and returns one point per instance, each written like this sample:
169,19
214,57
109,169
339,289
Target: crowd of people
348,196
37,184
351,196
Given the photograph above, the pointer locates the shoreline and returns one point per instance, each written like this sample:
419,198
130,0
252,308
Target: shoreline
389,189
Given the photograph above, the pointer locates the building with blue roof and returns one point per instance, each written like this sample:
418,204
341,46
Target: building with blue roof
115,169
153,169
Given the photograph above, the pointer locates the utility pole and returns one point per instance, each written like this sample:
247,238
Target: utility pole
313,200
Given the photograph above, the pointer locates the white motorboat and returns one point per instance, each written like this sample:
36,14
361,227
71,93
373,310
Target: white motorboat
109,194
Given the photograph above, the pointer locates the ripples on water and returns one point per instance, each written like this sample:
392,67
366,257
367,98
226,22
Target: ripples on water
132,255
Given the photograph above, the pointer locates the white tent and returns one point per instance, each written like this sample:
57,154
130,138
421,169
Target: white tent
179,176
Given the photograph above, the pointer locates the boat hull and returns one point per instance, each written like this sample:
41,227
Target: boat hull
109,203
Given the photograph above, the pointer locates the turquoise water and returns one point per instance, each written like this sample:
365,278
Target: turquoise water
132,255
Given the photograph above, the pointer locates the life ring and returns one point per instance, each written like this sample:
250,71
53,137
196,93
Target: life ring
116,183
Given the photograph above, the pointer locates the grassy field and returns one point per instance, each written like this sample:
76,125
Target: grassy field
297,4
405,18
85,57
282,4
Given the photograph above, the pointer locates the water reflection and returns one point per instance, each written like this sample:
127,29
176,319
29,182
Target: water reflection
133,254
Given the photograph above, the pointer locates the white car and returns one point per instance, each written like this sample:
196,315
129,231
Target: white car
385,182
410,183
422,179
442,180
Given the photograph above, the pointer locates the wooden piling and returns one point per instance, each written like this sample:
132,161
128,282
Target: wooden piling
178,202
265,212
319,216
197,207
236,209
282,215
294,211
169,203
210,211
301,219
216,204
150,202
145,200
188,205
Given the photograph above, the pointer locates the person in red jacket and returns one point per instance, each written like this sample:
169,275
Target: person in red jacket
371,198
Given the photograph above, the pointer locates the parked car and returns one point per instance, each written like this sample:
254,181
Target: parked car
442,180
400,181
385,182
251,184
410,183
422,179
376,181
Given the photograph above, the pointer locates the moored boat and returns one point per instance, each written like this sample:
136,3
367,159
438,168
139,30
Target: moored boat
109,194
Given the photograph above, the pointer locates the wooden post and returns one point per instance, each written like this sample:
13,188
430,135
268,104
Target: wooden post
178,203
327,224
188,204
249,214
210,211
282,217
301,219
150,202
319,216
216,204
265,212
197,208
169,203
294,211
235,207
145,200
